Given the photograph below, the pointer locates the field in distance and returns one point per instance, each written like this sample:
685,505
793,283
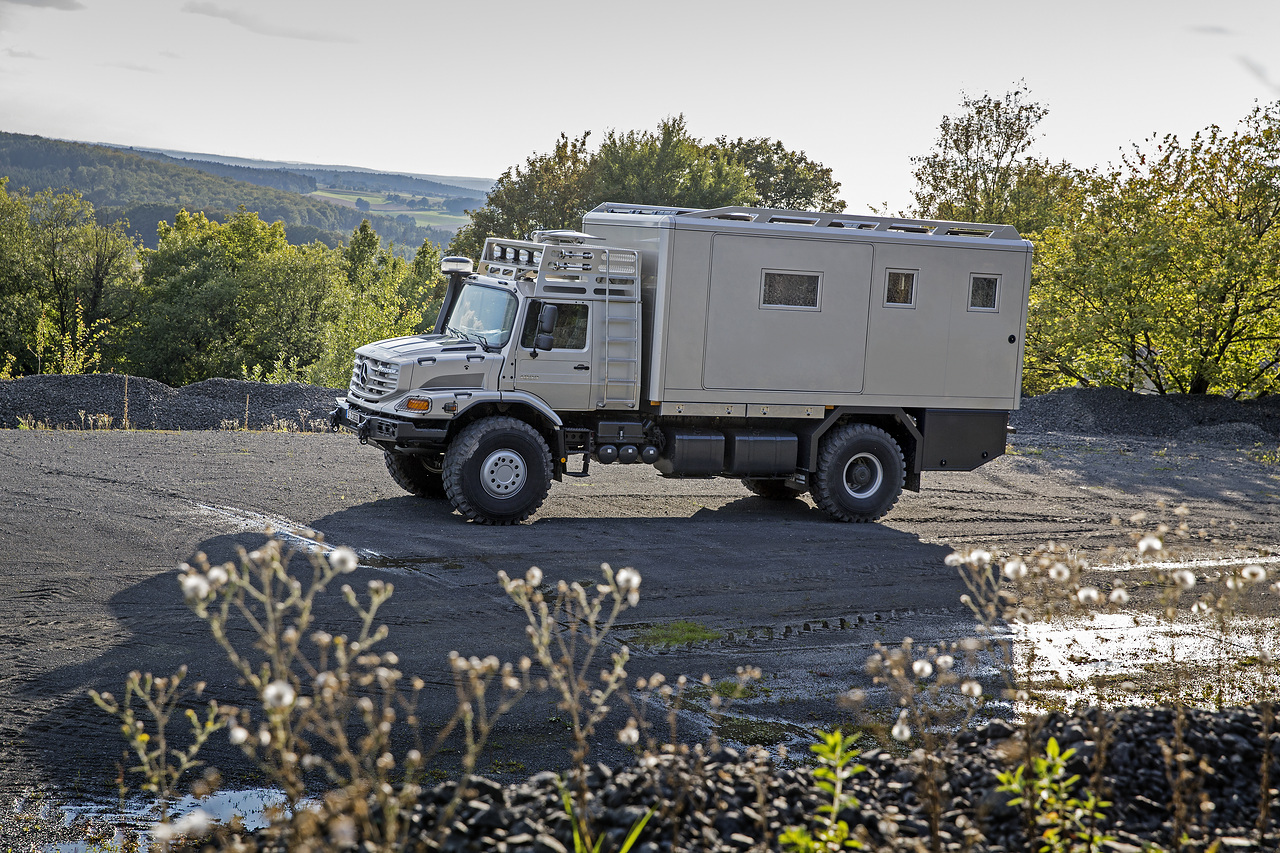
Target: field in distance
425,210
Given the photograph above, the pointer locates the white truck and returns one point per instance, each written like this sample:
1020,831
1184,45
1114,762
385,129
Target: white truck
834,354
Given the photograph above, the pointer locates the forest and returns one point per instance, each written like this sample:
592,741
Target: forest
1160,273
142,190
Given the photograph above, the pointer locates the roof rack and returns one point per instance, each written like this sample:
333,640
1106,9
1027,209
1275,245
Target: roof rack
814,219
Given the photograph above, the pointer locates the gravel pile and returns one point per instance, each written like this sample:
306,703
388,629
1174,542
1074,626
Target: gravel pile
729,802
1110,411
96,401
73,401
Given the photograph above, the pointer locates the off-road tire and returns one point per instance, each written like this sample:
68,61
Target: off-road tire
413,474
770,490
497,471
860,473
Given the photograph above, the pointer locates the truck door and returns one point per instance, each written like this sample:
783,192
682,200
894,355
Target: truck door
561,376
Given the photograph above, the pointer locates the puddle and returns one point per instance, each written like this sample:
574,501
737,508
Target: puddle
251,805
1134,658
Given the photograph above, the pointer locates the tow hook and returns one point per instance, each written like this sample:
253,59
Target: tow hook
334,423
363,432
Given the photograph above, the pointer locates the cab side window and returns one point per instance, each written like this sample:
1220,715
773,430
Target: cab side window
571,326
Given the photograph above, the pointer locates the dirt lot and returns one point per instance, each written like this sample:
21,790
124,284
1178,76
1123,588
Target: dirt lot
94,523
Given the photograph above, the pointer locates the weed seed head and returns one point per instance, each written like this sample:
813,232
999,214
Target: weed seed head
1149,543
1254,574
278,694
1119,596
971,688
922,669
1088,596
1184,578
1015,570
902,729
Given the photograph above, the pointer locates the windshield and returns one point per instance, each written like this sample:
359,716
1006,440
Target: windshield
483,314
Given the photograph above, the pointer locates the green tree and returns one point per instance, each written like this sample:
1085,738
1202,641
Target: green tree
19,302
551,190
980,170
668,167
199,289
1169,274
83,275
784,179
383,297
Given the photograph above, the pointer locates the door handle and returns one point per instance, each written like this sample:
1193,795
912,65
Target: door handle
582,367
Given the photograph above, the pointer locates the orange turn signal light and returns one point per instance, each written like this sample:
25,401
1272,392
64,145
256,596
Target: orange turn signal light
415,404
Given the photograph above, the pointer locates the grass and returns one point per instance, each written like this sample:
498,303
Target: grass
676,634
378,203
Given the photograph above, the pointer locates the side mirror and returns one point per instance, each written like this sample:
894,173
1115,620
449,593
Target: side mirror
546,327
547,319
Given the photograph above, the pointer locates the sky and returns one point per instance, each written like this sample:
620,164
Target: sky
472,87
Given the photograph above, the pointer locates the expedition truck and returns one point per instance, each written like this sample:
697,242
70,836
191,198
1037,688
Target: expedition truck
834,354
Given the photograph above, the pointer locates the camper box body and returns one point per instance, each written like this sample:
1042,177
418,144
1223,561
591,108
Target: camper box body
755,313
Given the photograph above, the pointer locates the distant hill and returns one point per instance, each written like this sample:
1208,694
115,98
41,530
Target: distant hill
447,186
126,185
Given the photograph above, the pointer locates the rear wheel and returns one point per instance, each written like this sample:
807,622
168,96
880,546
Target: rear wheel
860,473
770,490
497,471
417,475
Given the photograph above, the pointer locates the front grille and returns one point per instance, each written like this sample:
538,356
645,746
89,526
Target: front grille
373,380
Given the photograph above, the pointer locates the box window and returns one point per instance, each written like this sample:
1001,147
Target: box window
570,331
783,289
900,288
983,292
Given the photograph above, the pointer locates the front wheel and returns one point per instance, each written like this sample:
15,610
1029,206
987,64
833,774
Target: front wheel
497,471
860,473
415,474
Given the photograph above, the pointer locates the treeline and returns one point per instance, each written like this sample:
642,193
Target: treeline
280,179
231,299
120,181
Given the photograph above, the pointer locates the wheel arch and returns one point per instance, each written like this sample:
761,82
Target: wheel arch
900,424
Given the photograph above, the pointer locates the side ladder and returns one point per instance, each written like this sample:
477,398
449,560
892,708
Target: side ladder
621,385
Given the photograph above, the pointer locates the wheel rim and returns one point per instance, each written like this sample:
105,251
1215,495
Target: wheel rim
863,475
502,473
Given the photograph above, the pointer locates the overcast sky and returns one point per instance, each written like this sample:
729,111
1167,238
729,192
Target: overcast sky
471,87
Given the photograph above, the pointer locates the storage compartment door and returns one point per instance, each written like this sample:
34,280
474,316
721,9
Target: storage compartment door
786,314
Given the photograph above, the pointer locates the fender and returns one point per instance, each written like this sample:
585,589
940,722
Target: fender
531,400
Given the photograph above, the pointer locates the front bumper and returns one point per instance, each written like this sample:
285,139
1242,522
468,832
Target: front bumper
370,425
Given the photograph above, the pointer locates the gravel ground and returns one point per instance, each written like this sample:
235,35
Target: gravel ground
1228,741
75,401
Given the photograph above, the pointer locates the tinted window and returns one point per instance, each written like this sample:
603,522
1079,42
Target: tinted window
570,331
900,288
790,289
982,292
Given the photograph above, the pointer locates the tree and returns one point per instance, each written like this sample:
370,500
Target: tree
19,302
1169,275
551,190
668,167
980,170
664,167
784,179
